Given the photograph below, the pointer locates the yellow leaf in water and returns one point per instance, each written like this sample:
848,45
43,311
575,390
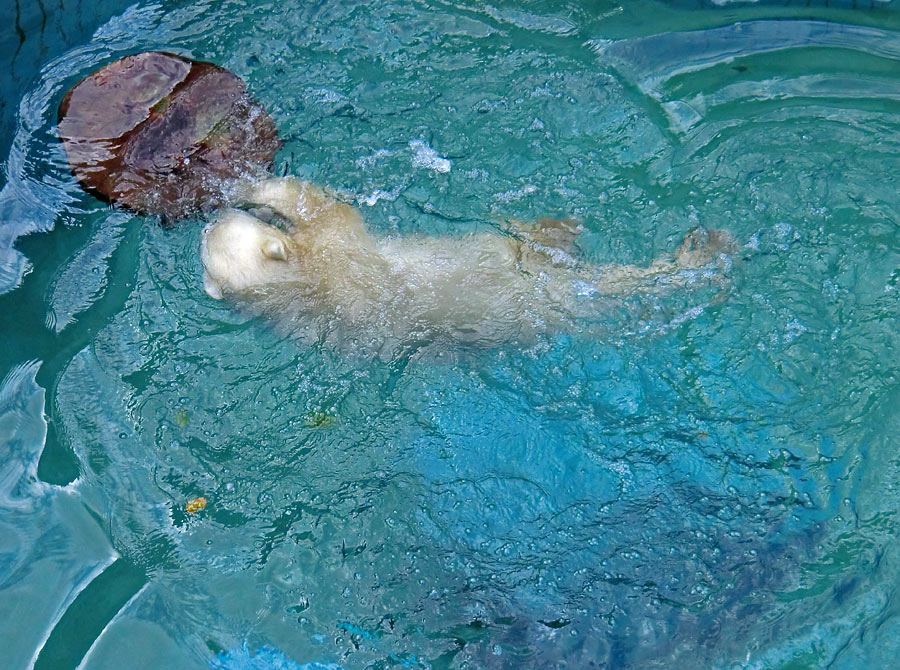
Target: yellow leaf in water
182,418
320,420
195,505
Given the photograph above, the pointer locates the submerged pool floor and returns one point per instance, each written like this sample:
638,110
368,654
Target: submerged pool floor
699,478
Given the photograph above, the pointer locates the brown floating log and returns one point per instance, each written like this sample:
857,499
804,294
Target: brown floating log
162,134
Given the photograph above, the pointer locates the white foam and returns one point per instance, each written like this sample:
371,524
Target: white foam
366,162
426,157
379,194
516,194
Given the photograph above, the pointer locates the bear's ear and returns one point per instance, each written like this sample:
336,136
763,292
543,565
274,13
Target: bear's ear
274,249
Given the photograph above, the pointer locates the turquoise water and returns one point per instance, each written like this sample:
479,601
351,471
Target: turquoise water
698,479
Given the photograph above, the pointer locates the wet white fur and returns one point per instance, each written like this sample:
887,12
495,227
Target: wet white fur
484,287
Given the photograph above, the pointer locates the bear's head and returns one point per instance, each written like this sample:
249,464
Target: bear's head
239,253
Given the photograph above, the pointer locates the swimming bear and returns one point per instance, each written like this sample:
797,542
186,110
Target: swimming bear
326,269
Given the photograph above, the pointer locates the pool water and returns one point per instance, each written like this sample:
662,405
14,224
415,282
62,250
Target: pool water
703,478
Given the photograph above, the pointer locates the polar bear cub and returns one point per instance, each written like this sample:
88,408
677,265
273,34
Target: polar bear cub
484,287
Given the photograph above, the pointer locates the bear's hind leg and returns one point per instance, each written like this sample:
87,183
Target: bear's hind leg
548,232
701,246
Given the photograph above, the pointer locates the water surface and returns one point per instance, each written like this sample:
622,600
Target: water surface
703,479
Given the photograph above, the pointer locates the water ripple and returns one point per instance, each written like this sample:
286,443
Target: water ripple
652,62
